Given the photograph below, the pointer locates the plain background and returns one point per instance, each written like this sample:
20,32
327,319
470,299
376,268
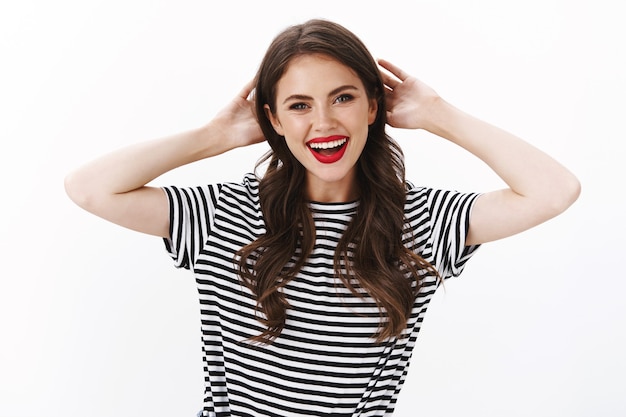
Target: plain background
95,320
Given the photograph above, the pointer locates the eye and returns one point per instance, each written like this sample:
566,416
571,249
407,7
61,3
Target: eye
343,98
298,106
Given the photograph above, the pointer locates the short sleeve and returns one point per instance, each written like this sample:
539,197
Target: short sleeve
191,217
449,218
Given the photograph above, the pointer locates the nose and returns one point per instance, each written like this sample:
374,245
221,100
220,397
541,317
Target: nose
324,118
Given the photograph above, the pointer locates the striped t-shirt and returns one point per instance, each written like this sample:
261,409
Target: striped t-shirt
325,361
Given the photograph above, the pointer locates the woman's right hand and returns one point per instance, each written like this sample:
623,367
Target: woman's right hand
237,123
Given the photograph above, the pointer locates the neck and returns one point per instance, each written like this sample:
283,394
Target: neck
332,192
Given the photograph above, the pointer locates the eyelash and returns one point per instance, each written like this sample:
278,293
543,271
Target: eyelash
298,106
340,99
344,97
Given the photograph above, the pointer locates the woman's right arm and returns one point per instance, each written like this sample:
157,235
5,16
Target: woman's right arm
114,186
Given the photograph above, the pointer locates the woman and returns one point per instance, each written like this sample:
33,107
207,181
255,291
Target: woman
314,279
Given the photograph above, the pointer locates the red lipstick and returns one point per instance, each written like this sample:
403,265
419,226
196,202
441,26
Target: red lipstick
329,149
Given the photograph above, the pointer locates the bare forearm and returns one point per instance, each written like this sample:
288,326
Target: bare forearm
114,186
539,187
132,167
527,170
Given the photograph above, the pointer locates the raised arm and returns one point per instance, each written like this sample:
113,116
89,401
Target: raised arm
540,188
114,186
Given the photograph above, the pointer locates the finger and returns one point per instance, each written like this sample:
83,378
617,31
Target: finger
388,81
393,69
247,92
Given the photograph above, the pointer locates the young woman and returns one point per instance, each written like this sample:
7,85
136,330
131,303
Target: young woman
314,279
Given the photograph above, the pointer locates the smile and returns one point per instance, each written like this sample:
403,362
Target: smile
328,150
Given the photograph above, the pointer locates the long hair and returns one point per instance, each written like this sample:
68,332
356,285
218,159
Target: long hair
370,255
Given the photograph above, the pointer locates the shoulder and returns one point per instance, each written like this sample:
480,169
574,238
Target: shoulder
416,196
240,196
435,196
437,203
247,189
245,192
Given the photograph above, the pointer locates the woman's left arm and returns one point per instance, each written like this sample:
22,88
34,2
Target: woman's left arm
540,188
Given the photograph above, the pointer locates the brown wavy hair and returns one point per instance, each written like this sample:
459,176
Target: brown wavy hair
371,254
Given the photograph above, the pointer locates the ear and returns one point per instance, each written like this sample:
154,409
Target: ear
373,110
273,120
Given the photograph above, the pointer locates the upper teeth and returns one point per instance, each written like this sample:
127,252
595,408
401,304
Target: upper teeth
327,145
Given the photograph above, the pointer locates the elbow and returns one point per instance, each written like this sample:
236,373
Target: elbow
575,190
77,191
71,186
564,194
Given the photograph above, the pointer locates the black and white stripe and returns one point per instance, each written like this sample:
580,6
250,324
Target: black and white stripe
325,361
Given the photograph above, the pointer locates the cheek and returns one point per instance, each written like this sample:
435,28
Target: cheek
283,151
292,142
294,148
278,128
295,129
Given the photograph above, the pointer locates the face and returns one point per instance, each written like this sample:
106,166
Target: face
323,112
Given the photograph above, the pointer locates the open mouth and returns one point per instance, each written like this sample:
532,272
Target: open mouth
328,150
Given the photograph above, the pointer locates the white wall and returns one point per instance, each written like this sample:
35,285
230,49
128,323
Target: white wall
94,320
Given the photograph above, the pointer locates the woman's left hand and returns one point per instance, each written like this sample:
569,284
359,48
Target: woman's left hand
539,187
408,99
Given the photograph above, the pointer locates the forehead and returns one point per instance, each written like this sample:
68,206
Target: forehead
315,73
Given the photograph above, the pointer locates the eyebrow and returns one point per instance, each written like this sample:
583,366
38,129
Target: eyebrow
332,93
